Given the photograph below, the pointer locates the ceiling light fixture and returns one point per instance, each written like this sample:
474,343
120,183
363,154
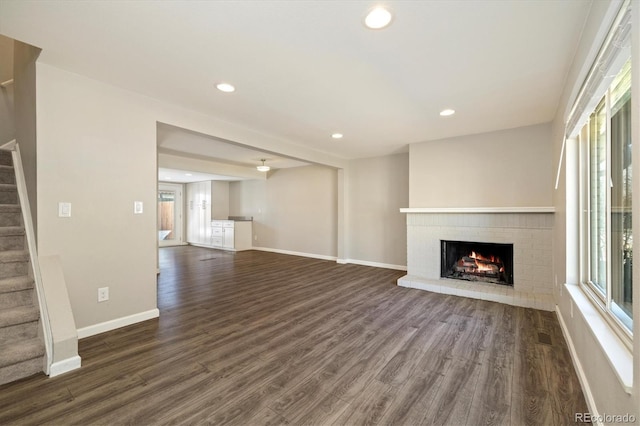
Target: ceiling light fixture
337,135
379,17
188,174
225,87
447,112
263,168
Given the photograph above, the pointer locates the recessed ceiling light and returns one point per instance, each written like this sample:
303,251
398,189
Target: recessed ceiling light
188,174
447,112
225,87
337,135
378,18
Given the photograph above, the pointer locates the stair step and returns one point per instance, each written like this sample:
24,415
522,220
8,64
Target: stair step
7,175
8,193
14,256
18,315
14,263
27,330
9,208
16,298
21,370
21,359
20,351
6,158
10,215
10,231
12,284
12,238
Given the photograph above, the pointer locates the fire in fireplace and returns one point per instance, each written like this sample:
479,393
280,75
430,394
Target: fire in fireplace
486,262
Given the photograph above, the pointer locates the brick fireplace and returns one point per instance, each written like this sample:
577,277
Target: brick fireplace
528,230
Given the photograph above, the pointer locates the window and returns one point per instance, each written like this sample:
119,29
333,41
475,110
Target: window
606,199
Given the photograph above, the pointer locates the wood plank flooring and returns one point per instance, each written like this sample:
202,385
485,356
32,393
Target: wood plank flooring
256,338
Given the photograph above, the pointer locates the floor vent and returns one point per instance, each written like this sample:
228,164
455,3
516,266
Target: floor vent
544,338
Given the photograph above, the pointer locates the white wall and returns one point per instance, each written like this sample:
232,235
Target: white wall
507,168
7,116
376,190
294,209
7,119
248,198
603,390
97,150
24,63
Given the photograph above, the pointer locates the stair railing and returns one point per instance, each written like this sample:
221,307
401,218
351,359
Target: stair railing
33,254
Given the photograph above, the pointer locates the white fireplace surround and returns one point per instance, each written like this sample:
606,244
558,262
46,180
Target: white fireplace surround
529,229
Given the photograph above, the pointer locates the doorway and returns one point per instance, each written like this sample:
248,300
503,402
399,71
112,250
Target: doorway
170,223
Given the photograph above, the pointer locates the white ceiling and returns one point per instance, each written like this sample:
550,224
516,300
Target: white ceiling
306,69
174,140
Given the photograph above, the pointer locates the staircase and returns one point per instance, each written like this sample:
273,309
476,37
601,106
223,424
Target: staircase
21,344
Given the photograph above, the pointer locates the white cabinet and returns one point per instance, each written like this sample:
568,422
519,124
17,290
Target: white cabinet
217,235
228,240
190,199
231,235
207,211
205,201
198,212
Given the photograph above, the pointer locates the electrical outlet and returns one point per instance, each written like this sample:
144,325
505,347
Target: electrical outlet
255,237
103,294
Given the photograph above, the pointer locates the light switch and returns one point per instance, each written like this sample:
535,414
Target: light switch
64,209
137,207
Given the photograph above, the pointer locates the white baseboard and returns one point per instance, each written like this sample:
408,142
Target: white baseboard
340,261
374,264
295,253
65,366
584,383
102,327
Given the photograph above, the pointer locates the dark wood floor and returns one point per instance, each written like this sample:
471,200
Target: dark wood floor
263,338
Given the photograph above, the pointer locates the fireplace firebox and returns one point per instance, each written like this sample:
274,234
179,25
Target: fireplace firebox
472,261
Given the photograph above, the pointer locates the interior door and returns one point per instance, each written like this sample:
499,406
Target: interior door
170,222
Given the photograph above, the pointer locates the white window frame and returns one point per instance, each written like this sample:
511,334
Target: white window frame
602,300
596,84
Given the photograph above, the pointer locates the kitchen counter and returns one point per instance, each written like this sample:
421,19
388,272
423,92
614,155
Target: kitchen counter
241,218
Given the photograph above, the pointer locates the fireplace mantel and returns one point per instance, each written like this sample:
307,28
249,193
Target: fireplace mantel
478,210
